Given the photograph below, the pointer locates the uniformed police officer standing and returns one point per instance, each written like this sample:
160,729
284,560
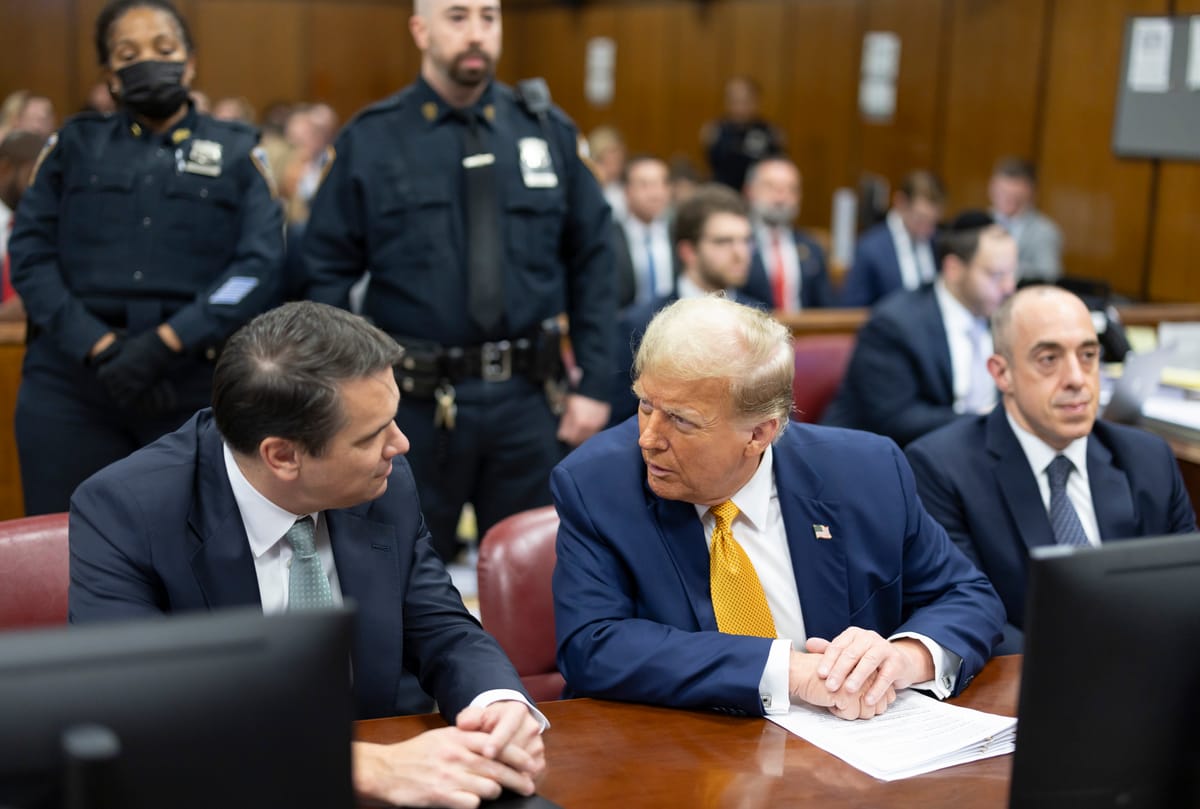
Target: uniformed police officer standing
146,238
468,204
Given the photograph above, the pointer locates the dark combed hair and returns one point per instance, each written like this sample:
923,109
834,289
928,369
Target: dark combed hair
279,375
117,8
960,238
1017,168
708,199
923,185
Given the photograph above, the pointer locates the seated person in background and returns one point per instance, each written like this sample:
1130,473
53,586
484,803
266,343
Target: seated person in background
818,544
898,252
642,239
606,148
1039,242
1003,483
920,361
221,513
712,241
787,269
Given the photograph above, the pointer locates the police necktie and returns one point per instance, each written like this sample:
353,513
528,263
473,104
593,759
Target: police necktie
1064,520
485,282
308,586
738,598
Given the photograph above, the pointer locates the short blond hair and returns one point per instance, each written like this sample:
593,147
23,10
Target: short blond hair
715,338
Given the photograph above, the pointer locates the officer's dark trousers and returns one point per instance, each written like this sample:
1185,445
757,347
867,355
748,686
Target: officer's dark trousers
68,428
498,457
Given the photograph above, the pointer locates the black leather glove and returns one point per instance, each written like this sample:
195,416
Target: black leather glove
128,367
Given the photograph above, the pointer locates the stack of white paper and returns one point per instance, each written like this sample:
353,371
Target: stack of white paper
916,735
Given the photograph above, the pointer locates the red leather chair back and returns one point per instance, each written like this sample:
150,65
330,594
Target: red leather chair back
821,361
34,571
516,604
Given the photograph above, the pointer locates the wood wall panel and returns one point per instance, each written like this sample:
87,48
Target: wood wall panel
910,141
37,50
358,52
251,48
691,45
992,78
1101,202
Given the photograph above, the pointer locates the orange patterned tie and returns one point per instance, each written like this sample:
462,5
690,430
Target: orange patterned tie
737,595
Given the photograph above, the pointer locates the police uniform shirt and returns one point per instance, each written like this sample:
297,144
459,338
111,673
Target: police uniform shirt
126,228
393,204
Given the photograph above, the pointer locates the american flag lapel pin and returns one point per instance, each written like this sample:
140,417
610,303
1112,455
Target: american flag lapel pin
821,531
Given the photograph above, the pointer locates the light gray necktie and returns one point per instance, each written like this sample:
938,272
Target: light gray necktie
308,586
1064,520
981,390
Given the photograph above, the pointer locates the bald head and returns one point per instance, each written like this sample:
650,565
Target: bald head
1033,305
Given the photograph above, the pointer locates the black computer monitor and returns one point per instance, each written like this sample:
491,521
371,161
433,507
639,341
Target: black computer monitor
220,709
1110,683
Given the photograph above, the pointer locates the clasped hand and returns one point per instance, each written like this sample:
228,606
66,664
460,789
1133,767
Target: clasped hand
857,674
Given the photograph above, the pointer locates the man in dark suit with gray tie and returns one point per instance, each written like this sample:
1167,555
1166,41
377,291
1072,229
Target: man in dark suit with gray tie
302,432
1041,470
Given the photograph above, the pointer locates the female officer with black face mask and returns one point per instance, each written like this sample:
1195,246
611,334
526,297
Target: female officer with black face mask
146,238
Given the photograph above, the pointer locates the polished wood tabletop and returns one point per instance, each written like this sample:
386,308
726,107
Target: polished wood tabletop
614,754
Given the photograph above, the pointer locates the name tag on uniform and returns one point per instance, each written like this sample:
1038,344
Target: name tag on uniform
537,169
204,158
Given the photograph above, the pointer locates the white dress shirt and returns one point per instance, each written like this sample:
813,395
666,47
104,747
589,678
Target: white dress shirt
1079,491
657,235
765,237
759,529
265,525
916,262
959,322
6,215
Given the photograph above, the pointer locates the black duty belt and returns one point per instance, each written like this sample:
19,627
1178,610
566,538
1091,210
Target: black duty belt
426,366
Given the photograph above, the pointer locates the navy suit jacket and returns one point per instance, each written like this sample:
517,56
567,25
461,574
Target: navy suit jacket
814,277
975,480
875,272
632,610
160,532
899,381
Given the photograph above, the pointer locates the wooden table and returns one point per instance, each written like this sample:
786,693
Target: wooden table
612,754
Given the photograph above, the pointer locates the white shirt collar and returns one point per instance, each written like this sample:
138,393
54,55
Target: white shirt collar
265,522
1040,454
955,317
754,499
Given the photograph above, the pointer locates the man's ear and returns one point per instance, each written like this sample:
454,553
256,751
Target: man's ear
419,28
762,435
1001,373
281,456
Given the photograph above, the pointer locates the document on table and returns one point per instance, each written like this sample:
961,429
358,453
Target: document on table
917,734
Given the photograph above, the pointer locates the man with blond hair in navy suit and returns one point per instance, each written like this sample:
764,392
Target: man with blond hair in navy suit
827,584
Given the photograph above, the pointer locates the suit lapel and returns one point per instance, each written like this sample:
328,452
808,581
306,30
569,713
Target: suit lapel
1016,481
683,536
366,555
819,565
220,557
1112,499
939,344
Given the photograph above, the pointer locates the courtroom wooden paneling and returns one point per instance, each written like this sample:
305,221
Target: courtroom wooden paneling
358,53
1101,202
12,504
250,48
819,60
910,141
691,43
992,76
37,50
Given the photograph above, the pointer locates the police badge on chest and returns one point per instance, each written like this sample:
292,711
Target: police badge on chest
537,169
204,157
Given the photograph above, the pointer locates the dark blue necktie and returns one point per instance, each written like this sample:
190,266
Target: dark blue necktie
1064,521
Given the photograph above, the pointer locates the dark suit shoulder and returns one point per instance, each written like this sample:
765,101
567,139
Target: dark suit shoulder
1127,443
959,438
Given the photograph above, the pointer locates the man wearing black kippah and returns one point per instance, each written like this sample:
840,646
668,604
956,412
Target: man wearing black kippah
921,360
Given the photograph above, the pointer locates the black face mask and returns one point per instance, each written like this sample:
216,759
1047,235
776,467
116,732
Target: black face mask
153,89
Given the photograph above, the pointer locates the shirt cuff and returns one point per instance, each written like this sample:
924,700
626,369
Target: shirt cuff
946,665
501,694
773,687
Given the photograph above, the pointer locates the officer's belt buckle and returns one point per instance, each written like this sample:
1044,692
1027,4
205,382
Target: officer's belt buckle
495,361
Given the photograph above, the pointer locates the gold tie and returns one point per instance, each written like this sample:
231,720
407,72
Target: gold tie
737,595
